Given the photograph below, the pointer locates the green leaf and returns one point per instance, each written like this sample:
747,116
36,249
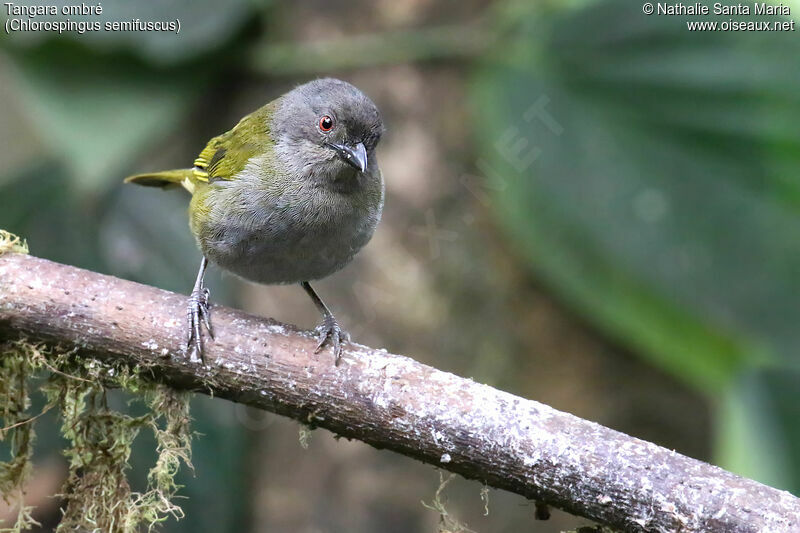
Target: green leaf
96,113
650,175
205,25
757,428
39,205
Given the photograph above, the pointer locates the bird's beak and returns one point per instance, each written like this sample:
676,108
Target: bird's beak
355,156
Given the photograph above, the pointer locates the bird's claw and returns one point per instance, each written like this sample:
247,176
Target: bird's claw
205,313
330,329
198,313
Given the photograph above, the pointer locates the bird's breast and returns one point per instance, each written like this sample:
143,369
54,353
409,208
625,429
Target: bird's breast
301,233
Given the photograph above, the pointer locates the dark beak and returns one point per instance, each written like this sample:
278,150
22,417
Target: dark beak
355,156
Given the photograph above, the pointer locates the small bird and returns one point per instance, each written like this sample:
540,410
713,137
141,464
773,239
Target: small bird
289,195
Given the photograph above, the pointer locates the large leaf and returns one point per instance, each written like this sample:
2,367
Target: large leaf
99,100
204,26
758,434
96,113
38,205
651,176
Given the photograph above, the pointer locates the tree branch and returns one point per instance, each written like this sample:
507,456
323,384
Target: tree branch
392,402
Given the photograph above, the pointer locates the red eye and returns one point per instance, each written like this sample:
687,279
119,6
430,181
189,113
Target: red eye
326,123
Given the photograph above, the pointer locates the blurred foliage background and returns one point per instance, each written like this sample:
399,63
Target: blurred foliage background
585,206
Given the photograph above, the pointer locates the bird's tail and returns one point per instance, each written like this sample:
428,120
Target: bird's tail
183,177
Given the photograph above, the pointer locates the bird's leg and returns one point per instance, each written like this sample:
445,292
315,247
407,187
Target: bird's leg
329,329
198,310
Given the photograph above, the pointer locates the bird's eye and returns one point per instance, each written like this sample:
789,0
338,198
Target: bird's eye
326,123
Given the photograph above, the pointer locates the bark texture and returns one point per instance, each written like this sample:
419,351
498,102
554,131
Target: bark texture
390,401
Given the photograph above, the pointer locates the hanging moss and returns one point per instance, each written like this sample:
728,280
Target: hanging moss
11,243
17,424
97,494
447,522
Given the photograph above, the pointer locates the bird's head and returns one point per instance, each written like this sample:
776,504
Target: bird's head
327,130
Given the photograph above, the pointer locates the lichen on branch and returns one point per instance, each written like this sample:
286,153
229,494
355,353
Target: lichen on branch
386,400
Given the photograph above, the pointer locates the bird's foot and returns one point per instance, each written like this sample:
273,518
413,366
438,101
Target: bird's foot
198,311
330,329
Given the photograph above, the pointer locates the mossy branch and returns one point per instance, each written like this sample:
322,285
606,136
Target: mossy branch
96,494
388,401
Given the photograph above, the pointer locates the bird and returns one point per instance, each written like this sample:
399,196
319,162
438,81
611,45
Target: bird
289,195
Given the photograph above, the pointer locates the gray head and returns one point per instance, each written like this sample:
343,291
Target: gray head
327,130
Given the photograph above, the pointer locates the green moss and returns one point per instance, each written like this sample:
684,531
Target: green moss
17,428
97,494
447,522
485,499
11,243
304,436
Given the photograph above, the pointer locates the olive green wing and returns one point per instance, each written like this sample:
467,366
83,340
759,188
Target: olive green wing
226,155
223,157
